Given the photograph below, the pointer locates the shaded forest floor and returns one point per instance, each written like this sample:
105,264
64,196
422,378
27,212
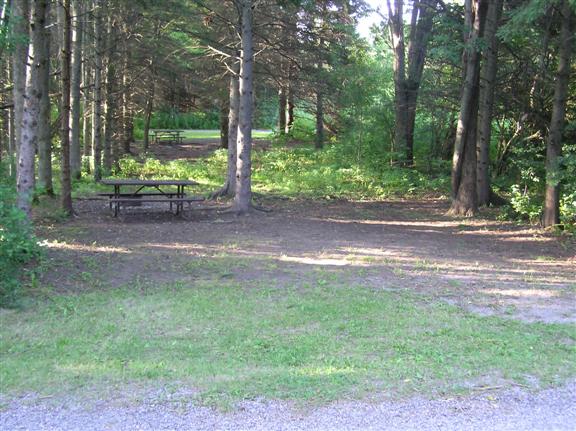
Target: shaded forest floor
483,265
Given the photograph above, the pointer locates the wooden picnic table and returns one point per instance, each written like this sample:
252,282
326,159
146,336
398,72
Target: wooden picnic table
170,136
137,196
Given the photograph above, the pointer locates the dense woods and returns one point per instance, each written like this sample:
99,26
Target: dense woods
479,91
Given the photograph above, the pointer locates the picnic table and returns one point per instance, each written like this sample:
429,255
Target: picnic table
141,194
169,136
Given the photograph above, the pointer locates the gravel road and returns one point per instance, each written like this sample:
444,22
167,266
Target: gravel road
512,409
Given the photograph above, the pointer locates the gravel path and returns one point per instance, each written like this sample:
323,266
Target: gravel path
513,409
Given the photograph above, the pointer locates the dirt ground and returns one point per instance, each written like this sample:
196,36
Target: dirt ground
482,265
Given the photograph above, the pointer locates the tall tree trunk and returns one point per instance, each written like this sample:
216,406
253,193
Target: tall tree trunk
11,138
224,131
5,6
420,31
400,103
554,145
127,115
10,125
229,188
243,195
3,135
290,104
281,110
319,139
30,112
44,133
538,96
464,196
97,98
87,119
487,85
20,13
109,107
148,116
77,31
86,101
65,58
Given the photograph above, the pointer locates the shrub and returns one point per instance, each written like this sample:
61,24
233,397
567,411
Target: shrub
527,194
18,245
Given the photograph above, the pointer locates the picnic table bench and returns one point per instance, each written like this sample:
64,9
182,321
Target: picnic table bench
168,136
178,198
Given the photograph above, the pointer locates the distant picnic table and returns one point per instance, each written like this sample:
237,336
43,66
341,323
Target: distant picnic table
168,136
141,193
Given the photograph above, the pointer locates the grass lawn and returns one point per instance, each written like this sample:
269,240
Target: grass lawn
311,342
215,134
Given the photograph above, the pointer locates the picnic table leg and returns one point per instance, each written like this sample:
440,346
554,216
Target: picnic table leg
180,202
117,203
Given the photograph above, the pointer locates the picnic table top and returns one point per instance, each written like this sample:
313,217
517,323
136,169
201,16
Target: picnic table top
136,182
166,130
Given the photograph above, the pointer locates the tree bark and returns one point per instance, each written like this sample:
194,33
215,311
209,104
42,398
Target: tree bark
243,194
224,131
319,139
148,116
290,104
87,102
97,97
282,110
11,140
20,14
400,103
487,86
65,58
464,196
233,115
229,187
87,126
110,149
77,31
420,32
44,133
30,112
554,145
127,114
3,134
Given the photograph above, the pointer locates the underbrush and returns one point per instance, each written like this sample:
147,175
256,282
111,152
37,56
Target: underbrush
18,246
299,171
526,183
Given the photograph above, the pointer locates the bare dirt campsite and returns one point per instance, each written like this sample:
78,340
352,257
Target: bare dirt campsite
283,215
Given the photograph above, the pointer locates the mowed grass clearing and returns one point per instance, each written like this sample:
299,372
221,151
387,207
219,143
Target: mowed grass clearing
215,134
310,342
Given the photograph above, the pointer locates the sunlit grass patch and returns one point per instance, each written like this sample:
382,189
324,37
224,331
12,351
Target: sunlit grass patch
215,134
320,342
295,172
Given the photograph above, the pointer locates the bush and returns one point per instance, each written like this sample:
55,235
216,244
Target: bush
18,245
527,194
